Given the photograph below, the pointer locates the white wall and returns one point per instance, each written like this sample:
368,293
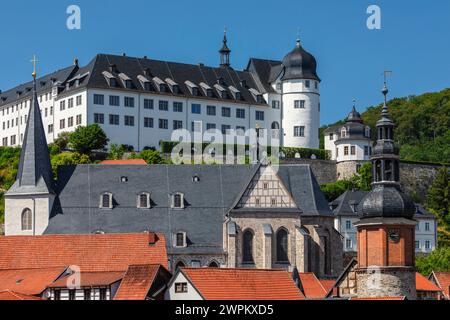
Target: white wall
359,150
191,294
424,236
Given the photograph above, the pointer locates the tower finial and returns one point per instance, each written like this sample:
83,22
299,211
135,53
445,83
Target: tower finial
34,61
298,36
385,90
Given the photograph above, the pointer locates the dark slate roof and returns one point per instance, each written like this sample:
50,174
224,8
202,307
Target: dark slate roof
43,84
299,64
178,72
343,205
266,71
207,202
34,174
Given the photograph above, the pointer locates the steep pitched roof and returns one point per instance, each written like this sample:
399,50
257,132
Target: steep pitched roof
35,172
423,284
91,279
91,253
9,295
29,281
442,279
311,287
243,284
137,282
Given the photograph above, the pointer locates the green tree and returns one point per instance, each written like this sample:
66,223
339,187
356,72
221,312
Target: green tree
438,261
85,139
438,198
335,189
363,179
116,152
150,156
62,140
68,158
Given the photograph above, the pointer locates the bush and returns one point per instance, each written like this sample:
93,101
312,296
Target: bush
68,158
116,152
150,156
85,139
62,140
305,153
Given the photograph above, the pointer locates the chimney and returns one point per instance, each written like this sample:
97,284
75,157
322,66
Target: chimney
124,54
75,62
244,83
152,238
113,68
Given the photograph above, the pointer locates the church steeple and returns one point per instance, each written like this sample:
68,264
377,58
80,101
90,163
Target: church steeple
225,52
35,172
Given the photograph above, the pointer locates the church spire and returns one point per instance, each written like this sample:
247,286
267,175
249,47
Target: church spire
224,52
35,172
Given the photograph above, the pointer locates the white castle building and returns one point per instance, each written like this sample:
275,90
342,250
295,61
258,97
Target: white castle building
139,101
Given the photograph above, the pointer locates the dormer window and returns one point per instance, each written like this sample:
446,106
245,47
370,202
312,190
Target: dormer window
343,133
179,240
123,179
178,201
143,200
195,179
106,201
367,132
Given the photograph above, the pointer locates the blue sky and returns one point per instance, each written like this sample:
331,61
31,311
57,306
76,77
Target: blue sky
414,40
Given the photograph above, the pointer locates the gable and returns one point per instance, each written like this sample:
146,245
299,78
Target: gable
266,190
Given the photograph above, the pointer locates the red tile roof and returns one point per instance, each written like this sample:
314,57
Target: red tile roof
91,253
312,288
137,282
327,284
89,279
243,284
125,162
423,284
28,281
380,298
443,280
11,295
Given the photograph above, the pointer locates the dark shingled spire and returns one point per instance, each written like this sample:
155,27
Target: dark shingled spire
35,172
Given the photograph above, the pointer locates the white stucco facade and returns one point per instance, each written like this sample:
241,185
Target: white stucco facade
190,292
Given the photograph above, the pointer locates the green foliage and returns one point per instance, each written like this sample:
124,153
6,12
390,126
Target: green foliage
305,153
53,149
363,179
68,158
85,139
62,141
150,156
438,198
9,163
116,152
335,189
438,261
423,125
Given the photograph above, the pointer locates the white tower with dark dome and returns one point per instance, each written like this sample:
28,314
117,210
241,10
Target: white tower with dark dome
300,95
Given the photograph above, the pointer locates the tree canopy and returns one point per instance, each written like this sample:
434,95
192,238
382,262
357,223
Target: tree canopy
86,139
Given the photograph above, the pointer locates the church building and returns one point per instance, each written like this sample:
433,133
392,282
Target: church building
239,216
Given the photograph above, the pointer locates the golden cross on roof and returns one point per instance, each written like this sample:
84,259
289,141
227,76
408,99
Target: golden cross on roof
34,61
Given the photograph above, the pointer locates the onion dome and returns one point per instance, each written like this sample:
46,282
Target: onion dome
299,64
354,116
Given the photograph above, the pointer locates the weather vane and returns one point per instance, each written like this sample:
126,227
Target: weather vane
386,74
34,61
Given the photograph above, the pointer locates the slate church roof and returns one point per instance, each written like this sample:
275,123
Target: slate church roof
207,201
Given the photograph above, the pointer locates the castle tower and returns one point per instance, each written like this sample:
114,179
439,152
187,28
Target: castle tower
29,201
300,99
386,260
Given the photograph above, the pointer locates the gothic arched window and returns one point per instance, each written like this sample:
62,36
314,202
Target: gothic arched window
178,201
247,247
213,264
106,201
27,220
144,200
282,246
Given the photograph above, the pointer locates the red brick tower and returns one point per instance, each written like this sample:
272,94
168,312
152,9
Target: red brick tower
386,257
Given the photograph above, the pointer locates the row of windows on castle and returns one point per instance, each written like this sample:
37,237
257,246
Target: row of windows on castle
351,150
345,134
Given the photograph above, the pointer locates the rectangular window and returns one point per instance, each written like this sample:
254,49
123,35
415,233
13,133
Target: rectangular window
148,103
57,295
114,101
427,226
79,100
417,243
177,107
348,224
51,111
211,110
307,83
196,108
99,118
50,128
196,126
181,287
427,245
299,131
71,294
62,124
46,112
348,243
163,124
5,142
366,150
276,104
103,294
87,294
331,136
353,150
148,122
70,103
78,119
210,126
62,105
240,113
114,119
129,121
299,104
70,122
226,112
129,102
99,99
163,105
260,115
225,128
13,140
346,151
177,124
